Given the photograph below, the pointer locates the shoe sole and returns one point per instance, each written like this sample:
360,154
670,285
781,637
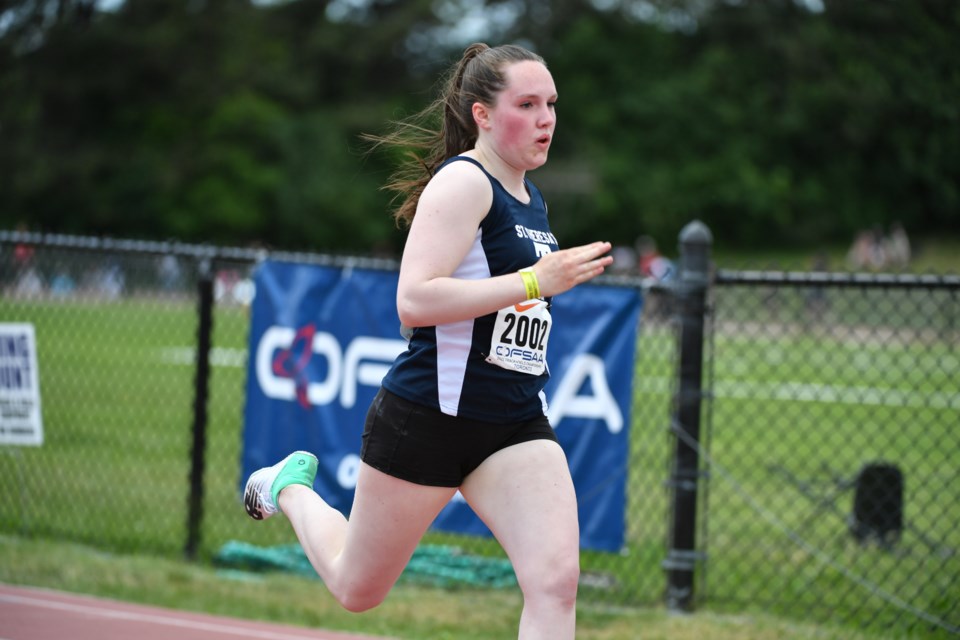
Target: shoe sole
251,497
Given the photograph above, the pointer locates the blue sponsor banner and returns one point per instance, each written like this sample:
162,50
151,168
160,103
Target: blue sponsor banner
322,338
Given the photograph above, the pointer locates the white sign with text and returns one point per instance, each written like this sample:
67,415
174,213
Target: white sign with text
20,417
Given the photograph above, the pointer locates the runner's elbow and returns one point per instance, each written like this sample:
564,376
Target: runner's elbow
410,312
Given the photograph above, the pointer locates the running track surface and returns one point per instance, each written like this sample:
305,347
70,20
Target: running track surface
40,614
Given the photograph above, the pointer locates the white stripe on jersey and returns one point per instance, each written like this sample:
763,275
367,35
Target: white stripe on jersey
454,339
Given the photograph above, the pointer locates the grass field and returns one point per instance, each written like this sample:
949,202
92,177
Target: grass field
411,612
107,512
930,255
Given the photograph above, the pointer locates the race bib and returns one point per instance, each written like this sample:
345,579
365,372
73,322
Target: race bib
520,337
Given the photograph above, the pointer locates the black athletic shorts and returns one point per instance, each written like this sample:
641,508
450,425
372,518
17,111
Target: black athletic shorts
422,445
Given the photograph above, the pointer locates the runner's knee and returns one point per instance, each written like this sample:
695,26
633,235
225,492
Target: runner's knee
556,580
359,598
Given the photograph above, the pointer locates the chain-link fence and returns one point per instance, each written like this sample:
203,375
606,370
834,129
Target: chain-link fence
141,449
834,487
810,383
117,332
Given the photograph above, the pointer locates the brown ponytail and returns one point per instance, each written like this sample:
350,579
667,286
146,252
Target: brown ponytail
445,128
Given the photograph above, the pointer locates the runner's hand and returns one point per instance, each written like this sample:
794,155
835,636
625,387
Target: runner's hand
560,271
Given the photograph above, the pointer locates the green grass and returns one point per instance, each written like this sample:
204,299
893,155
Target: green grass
410,613
931,254
107,514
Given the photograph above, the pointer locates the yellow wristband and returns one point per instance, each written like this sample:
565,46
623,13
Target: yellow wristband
530,283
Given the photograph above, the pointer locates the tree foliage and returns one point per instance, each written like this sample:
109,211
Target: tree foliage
226,121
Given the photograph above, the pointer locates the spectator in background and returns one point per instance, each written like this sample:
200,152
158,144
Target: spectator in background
858,256
169,271
651,263
624,260
867,250
871,249
898,247
27,279
23,255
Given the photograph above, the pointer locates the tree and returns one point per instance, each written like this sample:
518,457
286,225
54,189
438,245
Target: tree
233,122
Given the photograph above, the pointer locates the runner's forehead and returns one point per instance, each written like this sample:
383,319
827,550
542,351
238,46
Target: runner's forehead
529,79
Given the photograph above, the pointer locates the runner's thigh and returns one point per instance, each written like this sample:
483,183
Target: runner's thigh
520,493
388,518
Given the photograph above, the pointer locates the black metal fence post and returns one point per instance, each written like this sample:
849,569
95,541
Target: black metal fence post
691,292
201,392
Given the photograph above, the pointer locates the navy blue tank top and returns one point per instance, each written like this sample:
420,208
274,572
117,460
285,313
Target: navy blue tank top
444,367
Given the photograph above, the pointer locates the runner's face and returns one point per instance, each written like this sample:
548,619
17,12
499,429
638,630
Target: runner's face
524,117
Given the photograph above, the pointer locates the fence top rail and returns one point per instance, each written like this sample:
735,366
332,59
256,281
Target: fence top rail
254,255
244,255
187,250
837,279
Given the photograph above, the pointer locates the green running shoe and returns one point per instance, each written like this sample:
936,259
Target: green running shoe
264,485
